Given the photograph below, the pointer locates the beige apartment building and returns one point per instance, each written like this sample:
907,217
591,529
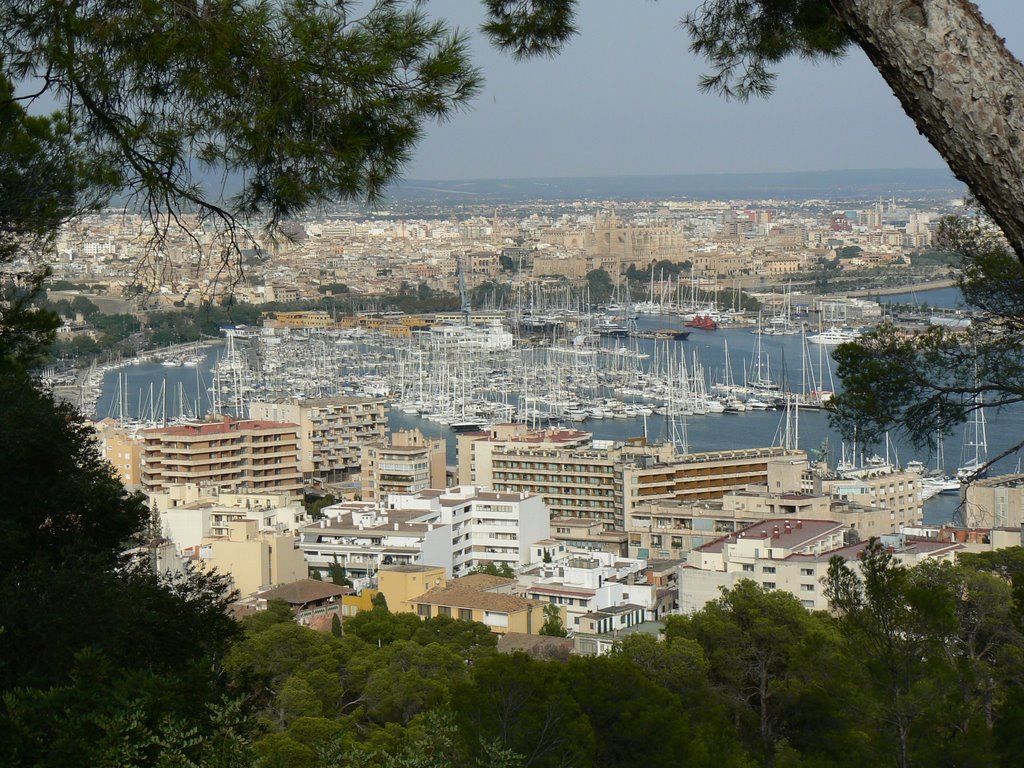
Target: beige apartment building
332,431
576,479
711,474
401,583
123,449
254,559
425,591
898,493
671,529
501,612
228,455
995,502
476,450
409,463
791,556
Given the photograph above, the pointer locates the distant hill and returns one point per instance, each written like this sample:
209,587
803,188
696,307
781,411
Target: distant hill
832,185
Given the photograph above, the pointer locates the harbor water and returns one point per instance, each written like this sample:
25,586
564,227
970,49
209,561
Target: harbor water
155,391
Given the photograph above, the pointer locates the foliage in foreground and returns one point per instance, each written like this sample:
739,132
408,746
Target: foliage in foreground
931,382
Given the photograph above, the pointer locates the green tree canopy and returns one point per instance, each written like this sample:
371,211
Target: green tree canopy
600,284
553,626
931,382
314,101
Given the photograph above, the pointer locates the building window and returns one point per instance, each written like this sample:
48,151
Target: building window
424,611
806,571
444,610
806,587
748,567
769,585
768,569
465,614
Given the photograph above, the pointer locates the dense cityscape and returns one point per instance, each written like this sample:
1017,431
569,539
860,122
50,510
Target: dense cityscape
366,400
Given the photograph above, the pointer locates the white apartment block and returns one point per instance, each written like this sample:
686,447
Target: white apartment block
788,555
471,526
361,537
190,513
457,529
586,582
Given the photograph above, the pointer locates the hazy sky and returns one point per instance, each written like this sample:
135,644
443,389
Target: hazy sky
622,99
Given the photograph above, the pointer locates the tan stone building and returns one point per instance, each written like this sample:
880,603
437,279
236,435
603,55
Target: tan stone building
476,450
228,454
123,449
401,583
424,590
254,559
896,492
995,502
309,319
332,431
617,244
500,612
409,463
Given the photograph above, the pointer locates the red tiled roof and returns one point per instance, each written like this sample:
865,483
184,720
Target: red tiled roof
463,597
219,427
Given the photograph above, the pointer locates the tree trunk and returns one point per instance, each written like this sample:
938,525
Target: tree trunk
961,86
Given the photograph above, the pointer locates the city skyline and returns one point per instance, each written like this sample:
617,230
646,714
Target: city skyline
610,106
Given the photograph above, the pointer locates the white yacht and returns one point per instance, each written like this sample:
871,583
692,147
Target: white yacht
834,336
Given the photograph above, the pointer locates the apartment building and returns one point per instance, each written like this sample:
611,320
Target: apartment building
254,559
332,431
469,526
476,450
670,529
995,502
587,582
408,463
189,513
229,454
602,481
711,474
589,535
896,492
502,613
123,449
401,583
763,552
362,538
789,555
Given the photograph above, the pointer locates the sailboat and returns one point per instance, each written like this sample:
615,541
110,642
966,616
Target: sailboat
974,458
937,481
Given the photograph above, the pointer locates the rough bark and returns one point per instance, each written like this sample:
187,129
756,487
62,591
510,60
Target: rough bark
964,90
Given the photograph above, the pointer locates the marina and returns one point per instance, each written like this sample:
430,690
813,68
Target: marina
707,391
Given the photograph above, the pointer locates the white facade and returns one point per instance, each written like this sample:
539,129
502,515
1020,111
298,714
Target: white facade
188,514
487,337
792,556
457,529
584,582
470,526
360,537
